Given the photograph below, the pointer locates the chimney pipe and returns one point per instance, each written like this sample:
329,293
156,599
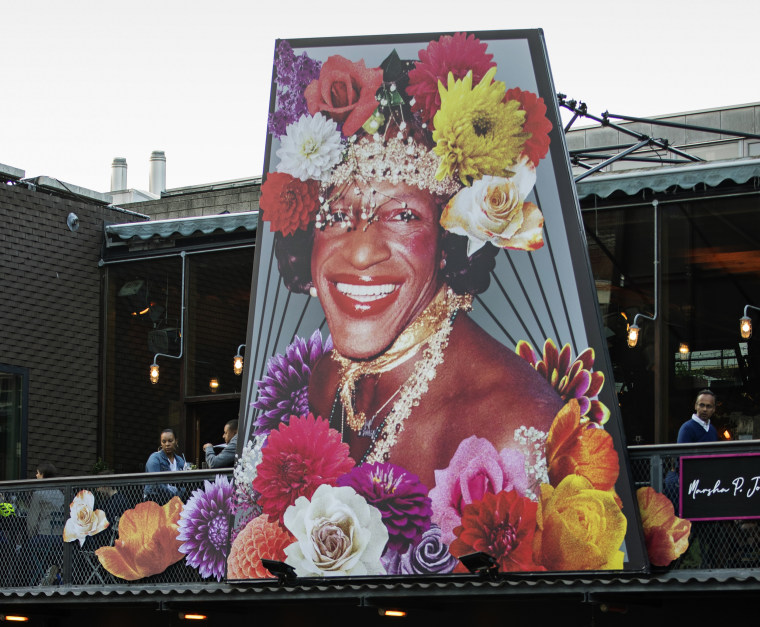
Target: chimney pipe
118,174
157,172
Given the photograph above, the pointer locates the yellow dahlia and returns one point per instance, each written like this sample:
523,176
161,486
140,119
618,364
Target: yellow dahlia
476,132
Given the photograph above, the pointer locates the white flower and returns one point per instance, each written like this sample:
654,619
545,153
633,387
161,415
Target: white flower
310,148
246,468
83,521
494,210
337,533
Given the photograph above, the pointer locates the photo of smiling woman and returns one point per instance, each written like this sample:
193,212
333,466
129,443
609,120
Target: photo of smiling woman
400,435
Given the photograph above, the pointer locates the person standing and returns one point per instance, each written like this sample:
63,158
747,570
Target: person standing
226,457
698,428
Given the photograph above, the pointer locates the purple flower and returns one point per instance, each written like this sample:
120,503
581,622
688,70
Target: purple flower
293,74
204,527
400,497
430,556
284,391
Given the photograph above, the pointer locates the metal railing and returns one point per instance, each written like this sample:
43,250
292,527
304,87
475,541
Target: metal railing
34,513
713,544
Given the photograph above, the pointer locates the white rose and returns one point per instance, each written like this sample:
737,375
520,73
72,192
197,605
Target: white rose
337,533
83,520
494,210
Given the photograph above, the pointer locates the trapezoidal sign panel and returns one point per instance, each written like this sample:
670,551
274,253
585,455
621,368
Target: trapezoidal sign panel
426,376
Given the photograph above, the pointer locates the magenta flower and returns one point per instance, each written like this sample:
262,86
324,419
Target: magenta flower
576,380
399,495
284,391
476,469
204,527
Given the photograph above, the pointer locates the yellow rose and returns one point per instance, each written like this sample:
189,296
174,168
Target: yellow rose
578,527
494,210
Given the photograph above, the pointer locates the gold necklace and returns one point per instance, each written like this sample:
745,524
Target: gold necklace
431,327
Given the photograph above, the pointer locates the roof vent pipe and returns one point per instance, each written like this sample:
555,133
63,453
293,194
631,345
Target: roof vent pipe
118,174
157,172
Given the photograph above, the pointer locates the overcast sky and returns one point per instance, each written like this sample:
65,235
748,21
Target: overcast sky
85,81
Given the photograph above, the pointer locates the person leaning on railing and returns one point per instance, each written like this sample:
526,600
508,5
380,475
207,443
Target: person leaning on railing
167,458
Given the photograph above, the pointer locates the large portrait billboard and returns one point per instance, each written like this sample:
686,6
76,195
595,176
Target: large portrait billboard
426,375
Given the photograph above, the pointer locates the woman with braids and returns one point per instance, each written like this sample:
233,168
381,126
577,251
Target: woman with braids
393,195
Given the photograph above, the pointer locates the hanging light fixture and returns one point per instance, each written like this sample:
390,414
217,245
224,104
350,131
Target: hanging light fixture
633,330
154,372
237,361
683,348
213,384
154,365
745,323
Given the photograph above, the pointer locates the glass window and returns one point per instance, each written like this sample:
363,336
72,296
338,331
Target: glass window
13,406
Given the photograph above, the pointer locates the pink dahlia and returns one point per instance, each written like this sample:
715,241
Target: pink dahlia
399,496
571,380
457,54
476,469
297,459
536,123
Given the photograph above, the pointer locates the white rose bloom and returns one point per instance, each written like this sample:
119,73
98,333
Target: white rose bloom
494,210
310,148
84,521
337,534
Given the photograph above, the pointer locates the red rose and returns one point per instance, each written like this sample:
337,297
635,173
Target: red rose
345,92
288,203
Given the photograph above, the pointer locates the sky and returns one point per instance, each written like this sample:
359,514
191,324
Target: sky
85,81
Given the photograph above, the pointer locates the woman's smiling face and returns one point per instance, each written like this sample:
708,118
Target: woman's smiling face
372,283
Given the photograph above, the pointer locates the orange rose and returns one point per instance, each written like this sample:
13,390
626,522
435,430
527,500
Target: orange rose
576,449
258,539
578,527
666,535
147,543
345,92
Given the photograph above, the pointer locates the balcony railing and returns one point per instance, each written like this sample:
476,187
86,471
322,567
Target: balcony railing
33,553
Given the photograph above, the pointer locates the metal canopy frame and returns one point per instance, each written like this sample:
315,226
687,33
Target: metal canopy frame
595,159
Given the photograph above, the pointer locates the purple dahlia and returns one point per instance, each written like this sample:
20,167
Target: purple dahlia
399,495
204,527
284,391
430,556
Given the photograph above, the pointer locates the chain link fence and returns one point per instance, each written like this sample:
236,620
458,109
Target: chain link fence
713,544
33,515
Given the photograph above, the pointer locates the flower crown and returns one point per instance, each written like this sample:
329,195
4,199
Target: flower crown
441,123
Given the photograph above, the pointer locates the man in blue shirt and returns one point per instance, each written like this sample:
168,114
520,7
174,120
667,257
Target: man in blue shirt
698,428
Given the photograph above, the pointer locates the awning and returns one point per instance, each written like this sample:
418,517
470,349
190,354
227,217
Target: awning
184,227
710,173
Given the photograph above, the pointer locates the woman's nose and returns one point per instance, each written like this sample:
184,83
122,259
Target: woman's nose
364,248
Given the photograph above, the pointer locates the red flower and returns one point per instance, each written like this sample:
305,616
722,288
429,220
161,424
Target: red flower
288,203
666,535
457,54
345,92
501,525
296,460
573,448
535,123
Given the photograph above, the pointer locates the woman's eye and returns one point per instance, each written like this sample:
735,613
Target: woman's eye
407,215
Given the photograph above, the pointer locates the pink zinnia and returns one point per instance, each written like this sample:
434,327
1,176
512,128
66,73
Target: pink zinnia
457,54
536,123
296,460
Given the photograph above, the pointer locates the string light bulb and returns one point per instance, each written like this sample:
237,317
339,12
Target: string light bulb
154,373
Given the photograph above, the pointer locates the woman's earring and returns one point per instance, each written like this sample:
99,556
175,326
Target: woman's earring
313,291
